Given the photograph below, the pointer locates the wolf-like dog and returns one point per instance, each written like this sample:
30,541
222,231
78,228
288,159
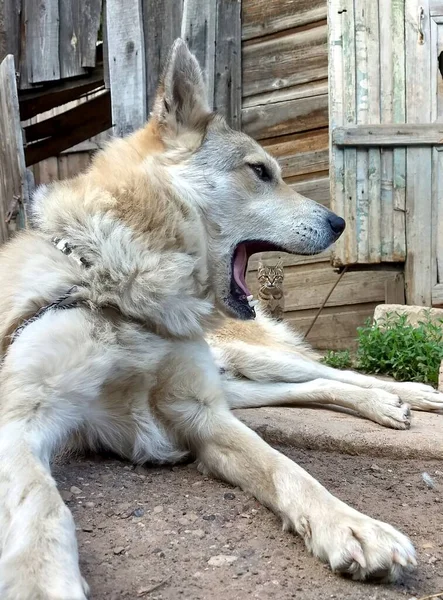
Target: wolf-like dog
126,324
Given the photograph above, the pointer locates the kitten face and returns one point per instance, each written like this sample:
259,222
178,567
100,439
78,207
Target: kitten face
270,277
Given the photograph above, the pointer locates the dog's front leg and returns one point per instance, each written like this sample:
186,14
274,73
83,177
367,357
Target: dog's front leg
190,397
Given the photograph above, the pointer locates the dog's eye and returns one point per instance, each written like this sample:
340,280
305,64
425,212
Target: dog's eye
261,171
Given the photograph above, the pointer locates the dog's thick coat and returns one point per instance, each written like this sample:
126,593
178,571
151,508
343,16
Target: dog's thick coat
146,365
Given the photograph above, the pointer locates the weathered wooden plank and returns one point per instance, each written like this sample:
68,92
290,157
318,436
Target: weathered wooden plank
336,327
126,64
290,116
70,34
13,179
10,42
306,286
418,270
301,153
290,60
296,92
389,135
343,113
33,102
368,111
90,23
261,17
288,260
395,289
438,212
41,39
199,30
436,8
317,189
68,128
437,295
228,68
336,108
162,25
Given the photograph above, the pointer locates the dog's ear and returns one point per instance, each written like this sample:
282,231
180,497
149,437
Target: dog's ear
181,100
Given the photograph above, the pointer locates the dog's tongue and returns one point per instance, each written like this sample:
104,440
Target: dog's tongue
240,264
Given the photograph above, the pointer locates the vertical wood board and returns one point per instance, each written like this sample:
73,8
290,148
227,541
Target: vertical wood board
126,64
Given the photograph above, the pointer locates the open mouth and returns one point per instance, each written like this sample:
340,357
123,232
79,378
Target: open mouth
241,299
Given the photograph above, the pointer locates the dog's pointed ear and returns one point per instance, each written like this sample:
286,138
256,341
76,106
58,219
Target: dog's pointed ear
181,100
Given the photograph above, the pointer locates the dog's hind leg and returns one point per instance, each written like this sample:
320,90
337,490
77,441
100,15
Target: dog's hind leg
376,405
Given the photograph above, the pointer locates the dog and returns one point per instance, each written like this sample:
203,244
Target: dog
127,325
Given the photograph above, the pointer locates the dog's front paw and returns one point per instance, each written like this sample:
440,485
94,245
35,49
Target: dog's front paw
419,396
358,545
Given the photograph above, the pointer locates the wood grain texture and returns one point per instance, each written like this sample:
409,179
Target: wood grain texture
306,286
89,25
316,189
162,23
13,180
199,31
336,327
300,154
418,270
68,128
228,67
261,17
34,102
41,36
292,59
289,116
126,64
70,32
389,135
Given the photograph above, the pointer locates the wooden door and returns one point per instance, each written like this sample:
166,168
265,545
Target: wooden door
386,113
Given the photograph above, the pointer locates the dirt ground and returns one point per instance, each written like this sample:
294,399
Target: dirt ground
151,532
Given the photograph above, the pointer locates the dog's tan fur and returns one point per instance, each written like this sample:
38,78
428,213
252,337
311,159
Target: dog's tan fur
150,363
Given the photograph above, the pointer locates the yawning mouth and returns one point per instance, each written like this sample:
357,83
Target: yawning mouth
241,300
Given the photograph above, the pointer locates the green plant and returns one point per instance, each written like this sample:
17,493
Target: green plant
393,347
338,359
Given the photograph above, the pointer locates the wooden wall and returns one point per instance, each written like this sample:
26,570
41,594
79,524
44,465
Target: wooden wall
285,107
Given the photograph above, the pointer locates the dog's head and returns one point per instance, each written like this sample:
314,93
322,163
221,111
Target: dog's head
237,187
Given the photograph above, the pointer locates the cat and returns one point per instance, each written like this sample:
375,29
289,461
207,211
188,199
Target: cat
270,293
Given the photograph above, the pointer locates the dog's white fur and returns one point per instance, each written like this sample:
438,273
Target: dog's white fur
157,217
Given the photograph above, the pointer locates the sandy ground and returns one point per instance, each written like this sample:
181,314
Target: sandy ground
151,532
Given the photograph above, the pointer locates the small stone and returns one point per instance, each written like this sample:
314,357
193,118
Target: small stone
89,504
118,550
222,560
209,517
75,490
138,512
426,478
198,533
88,529
427,545
229,496
375,467
66,495
183,521
158,509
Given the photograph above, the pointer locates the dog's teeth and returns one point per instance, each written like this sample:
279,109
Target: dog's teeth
249,298
253,303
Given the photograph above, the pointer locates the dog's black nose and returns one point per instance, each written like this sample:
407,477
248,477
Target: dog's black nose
337,223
